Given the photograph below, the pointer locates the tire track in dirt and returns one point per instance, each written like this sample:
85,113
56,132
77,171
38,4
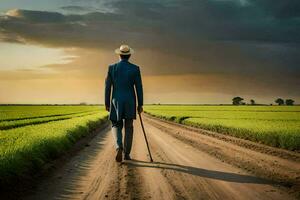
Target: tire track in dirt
182,170
281,153
284,171
91,174
187,173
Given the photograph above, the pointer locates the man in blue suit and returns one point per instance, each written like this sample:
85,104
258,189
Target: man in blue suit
123,83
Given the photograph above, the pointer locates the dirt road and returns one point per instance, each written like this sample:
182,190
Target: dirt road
187,165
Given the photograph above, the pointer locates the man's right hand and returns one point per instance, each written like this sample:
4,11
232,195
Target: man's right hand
140,109
107,108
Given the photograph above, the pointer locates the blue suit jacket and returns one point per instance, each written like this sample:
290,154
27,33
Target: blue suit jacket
122,79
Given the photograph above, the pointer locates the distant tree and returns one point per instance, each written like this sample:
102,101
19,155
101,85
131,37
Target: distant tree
83,104
279,101
252,102
289,102
237,100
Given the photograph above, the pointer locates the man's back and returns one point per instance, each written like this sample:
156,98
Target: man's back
123,76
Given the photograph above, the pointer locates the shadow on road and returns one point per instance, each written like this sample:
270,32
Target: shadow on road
205,173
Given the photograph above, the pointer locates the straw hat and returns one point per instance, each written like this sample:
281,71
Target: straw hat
124,50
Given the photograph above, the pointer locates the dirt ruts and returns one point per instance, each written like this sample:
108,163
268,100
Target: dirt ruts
188,164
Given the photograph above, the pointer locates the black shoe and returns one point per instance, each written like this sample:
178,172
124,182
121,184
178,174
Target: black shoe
119,155
127,157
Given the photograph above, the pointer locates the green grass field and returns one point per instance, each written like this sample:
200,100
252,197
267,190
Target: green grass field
277,126
30,136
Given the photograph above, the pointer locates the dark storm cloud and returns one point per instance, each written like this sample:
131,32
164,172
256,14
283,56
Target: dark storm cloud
30,16
279,9
55,29
192,20
198,35
76,8
230,20
79,9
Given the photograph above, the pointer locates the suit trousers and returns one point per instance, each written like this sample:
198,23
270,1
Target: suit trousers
117,127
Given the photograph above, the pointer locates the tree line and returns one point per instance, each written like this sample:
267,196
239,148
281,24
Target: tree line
279,101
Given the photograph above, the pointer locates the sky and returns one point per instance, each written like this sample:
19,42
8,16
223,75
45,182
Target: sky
190,52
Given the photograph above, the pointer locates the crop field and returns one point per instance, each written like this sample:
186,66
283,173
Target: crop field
30,136
277,126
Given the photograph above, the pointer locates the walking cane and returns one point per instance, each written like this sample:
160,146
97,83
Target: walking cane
151,160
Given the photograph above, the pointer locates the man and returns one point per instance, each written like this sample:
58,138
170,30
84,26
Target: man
124,82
